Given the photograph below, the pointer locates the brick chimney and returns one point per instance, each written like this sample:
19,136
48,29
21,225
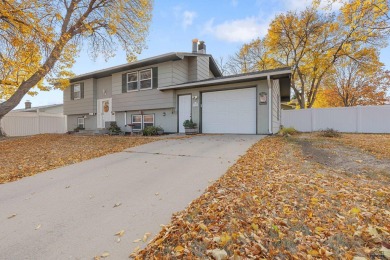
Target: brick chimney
195,45
27,104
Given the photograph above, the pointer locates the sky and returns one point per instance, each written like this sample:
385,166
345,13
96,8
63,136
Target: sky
224,25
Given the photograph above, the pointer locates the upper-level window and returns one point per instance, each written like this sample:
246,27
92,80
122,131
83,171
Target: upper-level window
77,91
139,80
145,79
132,81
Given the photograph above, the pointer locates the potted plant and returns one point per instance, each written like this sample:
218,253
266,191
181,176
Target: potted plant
190,127
160,130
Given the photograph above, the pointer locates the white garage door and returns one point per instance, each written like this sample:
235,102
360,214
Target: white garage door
229,111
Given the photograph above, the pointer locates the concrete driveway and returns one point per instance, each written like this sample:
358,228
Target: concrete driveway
73,212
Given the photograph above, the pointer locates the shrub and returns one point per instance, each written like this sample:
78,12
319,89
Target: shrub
288,131
114,128
150,130
330,132
189,124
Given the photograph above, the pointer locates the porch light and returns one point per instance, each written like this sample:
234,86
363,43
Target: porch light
262,98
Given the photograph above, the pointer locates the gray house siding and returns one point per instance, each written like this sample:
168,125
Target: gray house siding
104,88
167,121
180,71
141,100
262,110
80,106
203,67
90,122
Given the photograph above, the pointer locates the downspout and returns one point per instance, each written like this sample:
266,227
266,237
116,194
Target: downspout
270,105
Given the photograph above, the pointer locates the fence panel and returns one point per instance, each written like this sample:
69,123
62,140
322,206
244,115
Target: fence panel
361,119
26,123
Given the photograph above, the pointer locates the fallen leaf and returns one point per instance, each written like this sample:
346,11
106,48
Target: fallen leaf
105,254
179,249
120,233
218,254
117,204
12,216
38,227
137,240
146,237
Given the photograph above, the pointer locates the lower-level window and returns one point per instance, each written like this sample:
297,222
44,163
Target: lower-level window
142,121
81,122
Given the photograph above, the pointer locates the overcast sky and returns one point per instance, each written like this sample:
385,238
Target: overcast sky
223,24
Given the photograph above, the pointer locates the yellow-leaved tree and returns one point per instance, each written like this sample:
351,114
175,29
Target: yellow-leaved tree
312,41
39,40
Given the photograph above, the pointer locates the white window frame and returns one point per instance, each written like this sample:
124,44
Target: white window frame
83,122
136,81
78,92
151,79
142,121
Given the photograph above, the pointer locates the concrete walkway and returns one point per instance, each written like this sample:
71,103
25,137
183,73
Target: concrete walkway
73,212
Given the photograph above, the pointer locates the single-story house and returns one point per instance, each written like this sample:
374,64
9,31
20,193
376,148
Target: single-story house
50,109
168,89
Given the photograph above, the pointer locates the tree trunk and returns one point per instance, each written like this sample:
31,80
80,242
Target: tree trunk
23,89
2,133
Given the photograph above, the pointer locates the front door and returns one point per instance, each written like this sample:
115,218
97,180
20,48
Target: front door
184,110
104,112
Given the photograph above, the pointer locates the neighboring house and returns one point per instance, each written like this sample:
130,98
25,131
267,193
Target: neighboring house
166,90
50,109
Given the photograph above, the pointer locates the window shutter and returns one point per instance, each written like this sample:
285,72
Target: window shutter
82,90
71,92
124,83
155,77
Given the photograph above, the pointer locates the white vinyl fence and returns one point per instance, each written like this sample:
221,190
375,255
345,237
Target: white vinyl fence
30,123
361,119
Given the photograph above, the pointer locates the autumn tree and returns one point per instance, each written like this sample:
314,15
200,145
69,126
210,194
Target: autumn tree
252,56
353,83
312,41
39,40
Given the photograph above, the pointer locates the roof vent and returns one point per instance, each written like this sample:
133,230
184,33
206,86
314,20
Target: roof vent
202,47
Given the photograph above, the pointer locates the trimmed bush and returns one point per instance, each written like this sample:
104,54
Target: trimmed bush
330,132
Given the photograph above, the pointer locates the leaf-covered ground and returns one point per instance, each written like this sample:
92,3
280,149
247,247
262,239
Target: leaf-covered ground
279,202
376,144
25,156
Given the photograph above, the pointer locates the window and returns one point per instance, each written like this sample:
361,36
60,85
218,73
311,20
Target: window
139,80
132,81
142,121
77,91
81,122
148,120
137,122
145,79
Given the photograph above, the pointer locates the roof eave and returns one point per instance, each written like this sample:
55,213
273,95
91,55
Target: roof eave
244,78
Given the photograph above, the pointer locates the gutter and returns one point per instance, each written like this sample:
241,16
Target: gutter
270,105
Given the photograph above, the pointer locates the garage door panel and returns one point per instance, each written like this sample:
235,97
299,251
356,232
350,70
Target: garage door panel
229,111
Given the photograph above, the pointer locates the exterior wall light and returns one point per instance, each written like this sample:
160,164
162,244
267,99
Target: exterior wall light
263,98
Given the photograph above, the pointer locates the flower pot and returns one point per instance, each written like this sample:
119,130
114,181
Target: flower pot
191,131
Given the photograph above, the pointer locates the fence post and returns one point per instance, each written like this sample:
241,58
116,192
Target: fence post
312,119
358,119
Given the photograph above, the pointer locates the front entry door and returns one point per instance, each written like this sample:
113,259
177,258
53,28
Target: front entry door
184,110
104,112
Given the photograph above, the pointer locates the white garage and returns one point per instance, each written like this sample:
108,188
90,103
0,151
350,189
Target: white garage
229,111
